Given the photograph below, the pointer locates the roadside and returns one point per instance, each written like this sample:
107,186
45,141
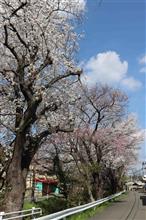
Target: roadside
93,211
128,207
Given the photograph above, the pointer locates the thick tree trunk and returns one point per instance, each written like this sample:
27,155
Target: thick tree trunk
113,185
97,186
89,189
15,179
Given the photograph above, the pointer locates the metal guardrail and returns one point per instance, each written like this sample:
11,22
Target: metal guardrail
71,211
18,214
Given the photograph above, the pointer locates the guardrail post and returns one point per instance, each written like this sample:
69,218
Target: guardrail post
41,211
33,212
1,215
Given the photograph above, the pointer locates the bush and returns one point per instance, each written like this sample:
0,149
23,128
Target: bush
29,205
52,205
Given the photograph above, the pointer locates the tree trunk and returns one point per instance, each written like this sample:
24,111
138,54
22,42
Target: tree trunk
15,179
97,186
90,193
114,185
89,189
33,186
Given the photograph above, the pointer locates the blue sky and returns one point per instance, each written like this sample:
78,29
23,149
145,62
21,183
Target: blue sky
113,50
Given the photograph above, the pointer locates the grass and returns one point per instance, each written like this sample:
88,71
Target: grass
89,213
29,205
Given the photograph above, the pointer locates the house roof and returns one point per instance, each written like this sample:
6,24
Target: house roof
46,180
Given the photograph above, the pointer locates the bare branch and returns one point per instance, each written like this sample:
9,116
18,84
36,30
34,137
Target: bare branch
8,127
23,4
6,114
19,37
69,73
12,50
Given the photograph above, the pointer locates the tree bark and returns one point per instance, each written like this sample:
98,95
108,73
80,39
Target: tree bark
15,179
91,198
33,186
97,186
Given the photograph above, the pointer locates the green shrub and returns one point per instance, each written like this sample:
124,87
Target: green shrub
52,205
29,205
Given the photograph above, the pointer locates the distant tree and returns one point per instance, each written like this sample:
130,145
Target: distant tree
109,149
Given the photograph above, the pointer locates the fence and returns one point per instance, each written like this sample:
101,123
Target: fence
18,214
71,211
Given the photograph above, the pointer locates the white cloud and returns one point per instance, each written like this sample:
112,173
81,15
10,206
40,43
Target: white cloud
108,68
145,134
131,83
142,60
143,70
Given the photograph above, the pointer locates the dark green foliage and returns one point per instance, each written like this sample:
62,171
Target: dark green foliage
48,206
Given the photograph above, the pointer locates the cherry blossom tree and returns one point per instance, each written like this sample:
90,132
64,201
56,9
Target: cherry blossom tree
104,157
37,45
105,140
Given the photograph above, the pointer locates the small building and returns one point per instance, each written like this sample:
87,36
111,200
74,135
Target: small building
144,178
41,185
134,185
46,185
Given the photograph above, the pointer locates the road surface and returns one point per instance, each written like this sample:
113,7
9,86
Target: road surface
129,207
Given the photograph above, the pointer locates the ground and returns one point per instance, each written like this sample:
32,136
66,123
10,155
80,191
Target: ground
129,207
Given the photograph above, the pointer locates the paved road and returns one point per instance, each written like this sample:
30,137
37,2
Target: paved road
128,208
